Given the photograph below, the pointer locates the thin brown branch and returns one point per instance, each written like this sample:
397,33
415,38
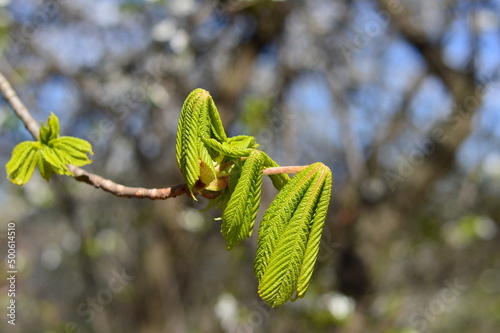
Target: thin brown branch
284,169
125,191
97,181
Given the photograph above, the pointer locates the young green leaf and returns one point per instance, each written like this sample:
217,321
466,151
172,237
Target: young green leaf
188,138
23,161
241,211
51,153
242,142
45,168
72,150
315,231
216,128
55,160
50,131
279,236
207,169
199,120
226,149
289,235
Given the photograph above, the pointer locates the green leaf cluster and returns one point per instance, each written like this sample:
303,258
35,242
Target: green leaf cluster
290,233
52,153
229,171
199,123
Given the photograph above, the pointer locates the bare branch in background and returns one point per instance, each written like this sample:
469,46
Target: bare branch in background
446,136
352,146
459,83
